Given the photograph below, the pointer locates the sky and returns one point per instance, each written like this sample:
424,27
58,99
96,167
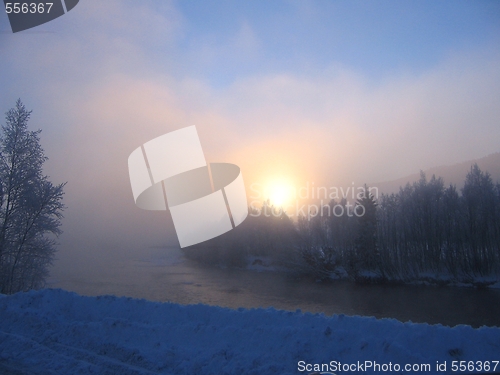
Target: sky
330,92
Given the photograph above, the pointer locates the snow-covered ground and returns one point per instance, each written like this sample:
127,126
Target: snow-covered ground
58,332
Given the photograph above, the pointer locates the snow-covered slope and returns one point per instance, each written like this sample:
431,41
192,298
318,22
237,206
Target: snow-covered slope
58,332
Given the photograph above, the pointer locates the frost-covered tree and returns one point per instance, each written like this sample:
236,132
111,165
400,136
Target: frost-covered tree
483,225
30,206
367,254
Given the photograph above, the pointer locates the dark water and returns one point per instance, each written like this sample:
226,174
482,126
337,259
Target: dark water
164,275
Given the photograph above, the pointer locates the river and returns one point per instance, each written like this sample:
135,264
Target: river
165,275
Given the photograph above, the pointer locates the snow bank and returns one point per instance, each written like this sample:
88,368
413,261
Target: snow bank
58,332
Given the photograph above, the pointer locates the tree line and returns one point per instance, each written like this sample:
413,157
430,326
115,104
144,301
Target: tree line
426,231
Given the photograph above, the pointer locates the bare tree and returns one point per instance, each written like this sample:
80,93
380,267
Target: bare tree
30,206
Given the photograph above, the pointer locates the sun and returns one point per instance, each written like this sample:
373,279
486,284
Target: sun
280,193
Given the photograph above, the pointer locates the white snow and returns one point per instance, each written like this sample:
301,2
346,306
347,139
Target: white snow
59,332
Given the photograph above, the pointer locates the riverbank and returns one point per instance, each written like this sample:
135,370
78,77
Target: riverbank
267,264
56,332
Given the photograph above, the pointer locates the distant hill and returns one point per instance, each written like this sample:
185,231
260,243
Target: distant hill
451,174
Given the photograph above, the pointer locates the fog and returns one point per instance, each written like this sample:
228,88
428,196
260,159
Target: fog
107,77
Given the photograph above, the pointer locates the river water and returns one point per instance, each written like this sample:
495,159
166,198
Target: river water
164,275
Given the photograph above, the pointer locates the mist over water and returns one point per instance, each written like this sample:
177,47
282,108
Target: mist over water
163,274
